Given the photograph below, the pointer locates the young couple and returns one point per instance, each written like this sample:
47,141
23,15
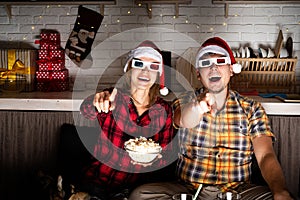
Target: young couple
219,132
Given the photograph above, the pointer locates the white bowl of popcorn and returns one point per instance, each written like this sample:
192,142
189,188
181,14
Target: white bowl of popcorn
142,150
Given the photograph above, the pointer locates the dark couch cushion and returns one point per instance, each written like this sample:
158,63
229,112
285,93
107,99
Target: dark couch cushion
75,150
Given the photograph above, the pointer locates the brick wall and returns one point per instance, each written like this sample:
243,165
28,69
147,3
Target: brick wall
246,25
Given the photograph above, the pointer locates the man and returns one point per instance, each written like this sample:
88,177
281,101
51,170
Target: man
219,132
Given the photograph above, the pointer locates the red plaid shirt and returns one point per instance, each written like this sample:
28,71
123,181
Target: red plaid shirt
114,167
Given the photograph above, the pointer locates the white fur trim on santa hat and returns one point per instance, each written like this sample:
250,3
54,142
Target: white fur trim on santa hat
148,52
164,91
211,49
237,68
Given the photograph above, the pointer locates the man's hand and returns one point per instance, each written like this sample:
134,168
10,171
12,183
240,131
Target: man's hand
191,113
104,101
205,103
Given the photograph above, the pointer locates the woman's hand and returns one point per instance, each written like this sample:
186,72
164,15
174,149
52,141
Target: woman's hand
104,101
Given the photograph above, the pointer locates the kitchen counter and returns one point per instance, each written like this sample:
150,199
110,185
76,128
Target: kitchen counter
70,101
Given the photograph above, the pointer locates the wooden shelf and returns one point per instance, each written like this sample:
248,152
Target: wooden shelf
227,2
101,3
149,4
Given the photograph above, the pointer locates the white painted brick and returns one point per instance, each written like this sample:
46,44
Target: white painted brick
15,10
31,10
108,10
254,37
169,19
110,28
185,28
240,11
273,28
56,10
174,36
240,28
124,19
67,19
125,27
148,36
202,20
155,19
283,19
197,37
59,27
21,19
4,19
190,10
8,28
213,28
267,11
180,47
164,26
212,11
46,19
202,3
255,20
229,36
254,25
2,11
168,11
229,20
294,10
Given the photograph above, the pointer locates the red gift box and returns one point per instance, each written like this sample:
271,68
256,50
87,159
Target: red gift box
55,65
48,46
52,75
51,37
50,54
53,86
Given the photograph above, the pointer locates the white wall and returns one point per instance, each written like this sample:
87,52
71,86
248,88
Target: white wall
247,25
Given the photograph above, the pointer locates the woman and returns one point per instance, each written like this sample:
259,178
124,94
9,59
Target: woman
124,113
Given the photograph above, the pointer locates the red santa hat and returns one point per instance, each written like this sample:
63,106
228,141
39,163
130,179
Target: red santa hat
218,46
150,50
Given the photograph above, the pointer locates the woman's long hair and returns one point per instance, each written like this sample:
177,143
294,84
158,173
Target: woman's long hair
154,90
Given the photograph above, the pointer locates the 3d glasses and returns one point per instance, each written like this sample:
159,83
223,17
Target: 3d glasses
216,61
140,64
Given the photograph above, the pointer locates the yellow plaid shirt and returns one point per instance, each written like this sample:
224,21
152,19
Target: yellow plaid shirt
218,151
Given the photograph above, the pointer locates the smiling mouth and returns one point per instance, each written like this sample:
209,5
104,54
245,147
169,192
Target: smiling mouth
214,79
143,79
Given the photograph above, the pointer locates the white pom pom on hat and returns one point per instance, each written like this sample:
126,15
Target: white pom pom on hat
148,49
219,46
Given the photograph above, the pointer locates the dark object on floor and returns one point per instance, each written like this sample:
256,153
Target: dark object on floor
76,146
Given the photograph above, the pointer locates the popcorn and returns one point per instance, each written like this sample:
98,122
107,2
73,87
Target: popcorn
142,145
